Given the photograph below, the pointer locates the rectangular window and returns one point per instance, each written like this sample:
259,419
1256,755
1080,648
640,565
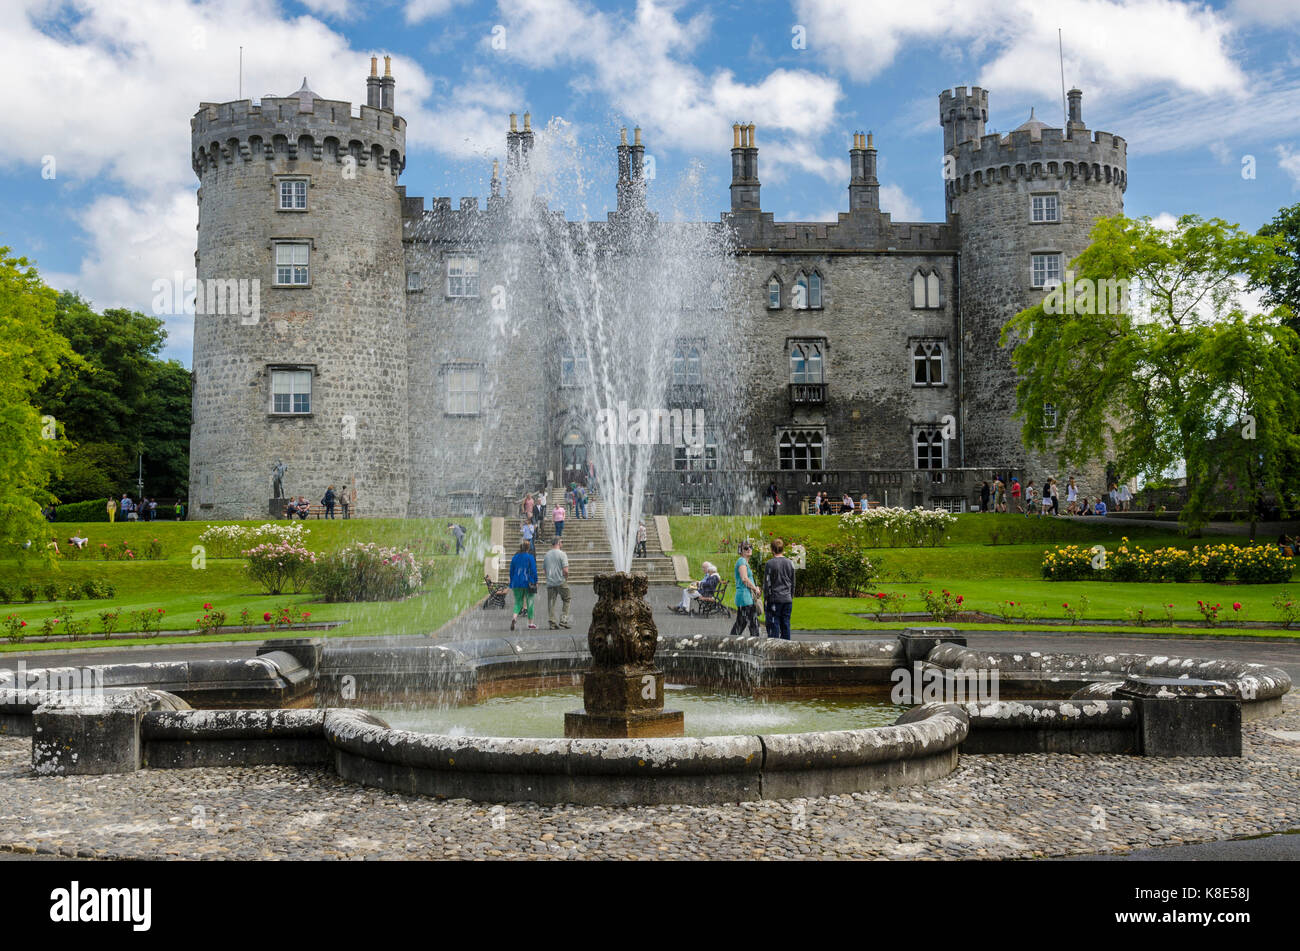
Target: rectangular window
1046,208
696,458
1046,269
291,263
1049,415
927,362
413,281
462,276
293,194
463,387
574,369
291,392
929,449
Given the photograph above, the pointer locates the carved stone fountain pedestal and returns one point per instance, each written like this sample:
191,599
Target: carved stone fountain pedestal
623,693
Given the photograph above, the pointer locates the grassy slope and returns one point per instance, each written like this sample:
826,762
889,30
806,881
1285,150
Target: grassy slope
984,574
178,585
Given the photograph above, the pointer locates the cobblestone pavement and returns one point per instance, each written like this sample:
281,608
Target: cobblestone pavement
991,807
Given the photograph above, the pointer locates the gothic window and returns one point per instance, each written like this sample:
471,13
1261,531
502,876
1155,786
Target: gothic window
926,291
929,448
801,450
1049,415
293,194
464,385
462,275
686,366
814,291
806,363
1046,208
774,293
927,363
799,297
291,268
574,368
1046,269
291,391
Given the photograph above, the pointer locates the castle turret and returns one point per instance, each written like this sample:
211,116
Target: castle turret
744,169
1023,206
299,204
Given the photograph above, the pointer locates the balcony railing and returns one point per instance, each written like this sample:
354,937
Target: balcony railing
807,394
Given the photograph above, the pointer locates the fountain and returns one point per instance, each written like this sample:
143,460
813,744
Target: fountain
623,692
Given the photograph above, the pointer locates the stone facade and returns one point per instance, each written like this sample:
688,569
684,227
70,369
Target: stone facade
426,401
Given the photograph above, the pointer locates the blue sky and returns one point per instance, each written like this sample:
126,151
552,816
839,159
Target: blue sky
101,93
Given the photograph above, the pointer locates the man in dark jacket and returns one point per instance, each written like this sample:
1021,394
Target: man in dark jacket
778,591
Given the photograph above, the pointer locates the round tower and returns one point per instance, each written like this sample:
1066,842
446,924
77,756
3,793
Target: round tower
299,327
1023,206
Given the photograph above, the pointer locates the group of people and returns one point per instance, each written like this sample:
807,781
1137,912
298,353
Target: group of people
821,503
1006,496
523,584
776,593
345,501
146,510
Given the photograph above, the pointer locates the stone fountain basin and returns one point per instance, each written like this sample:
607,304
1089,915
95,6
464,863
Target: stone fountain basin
138,719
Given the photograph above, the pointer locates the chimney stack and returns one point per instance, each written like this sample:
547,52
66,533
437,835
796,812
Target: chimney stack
373,84
1076,113
864,187
744,169
388,84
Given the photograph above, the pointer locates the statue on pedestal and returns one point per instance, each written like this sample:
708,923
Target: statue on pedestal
277,479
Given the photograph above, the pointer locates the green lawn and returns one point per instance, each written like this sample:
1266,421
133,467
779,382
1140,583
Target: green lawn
181,584
984,573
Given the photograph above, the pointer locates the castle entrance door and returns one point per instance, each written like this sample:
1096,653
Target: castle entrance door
573,459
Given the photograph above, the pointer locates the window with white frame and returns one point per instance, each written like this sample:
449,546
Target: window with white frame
774,293
930,447
1046,268
814,291
927,363
697,458
801,450
807,291
806,362
574,368
293,194
413,281
1046,208
926,290
462,275
290,391
464,384
291,259
686,366
1049,416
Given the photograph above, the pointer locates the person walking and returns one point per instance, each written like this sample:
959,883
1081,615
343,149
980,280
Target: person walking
328,501
582,501
112,510
153,510
985,490
1124,498
344,504
459,532
556,566
527,506
1015,496
528,533
557,517
640,539
770,495
523,584
1030,494
778,591
746,593
1071,497
1056,497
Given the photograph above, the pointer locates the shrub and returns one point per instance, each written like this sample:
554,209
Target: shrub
224,541
29,593
154,550
943,605
367,572
1260,564
1215,565
75,628
150,620
108,621
1075,609
212,622
49,626
1209,612
1068,563
50,591
15,628
898,527
245,620
280,566
95,510
1288,608
838,570
6,594
73,592
1138,616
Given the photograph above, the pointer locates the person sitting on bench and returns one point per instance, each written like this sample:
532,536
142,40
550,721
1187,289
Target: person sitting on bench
705,588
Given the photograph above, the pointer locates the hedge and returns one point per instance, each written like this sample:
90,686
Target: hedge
96,510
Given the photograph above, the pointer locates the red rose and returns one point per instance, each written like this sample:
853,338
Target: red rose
266,616
1236,605
207,606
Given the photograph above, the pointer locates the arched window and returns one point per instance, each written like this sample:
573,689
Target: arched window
801,450
929,449
773,293
686,366
799,300
814,291
927,363
806,364
927,294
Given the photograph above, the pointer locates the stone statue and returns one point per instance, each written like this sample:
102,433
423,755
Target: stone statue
277,479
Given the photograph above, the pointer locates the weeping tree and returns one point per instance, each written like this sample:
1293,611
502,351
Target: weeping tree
1151,356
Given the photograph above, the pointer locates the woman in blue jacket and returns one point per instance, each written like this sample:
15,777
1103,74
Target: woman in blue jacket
523,582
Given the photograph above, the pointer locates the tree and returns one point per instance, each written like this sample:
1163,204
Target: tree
1281,282
122,401
31,354
1177,376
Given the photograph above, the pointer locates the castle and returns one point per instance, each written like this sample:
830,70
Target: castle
869,356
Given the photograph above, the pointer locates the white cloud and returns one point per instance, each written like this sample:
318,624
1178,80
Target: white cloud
1289,159
1108,43
420,10
1164,221
895,201
1266,12
338,9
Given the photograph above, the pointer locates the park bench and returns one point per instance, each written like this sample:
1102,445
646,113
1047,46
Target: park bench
709,605
496,594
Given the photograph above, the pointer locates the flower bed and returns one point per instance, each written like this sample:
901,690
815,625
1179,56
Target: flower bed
1252,564
280,566
898,527
367,572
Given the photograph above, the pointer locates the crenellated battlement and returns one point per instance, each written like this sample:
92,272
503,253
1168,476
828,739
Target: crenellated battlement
299,127
1039,154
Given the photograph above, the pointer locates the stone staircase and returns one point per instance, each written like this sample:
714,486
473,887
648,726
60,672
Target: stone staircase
588,549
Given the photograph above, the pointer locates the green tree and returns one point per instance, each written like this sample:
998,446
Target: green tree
1280,284
31,354
1180,377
